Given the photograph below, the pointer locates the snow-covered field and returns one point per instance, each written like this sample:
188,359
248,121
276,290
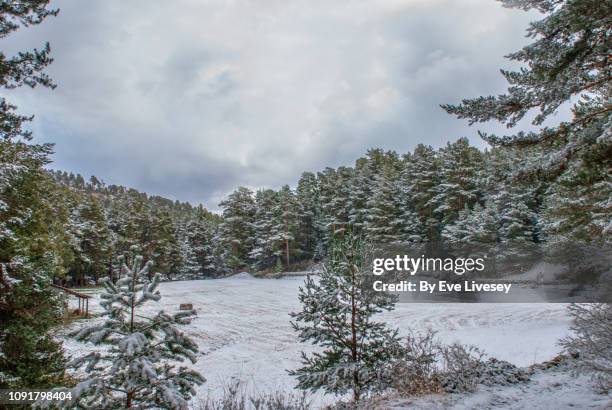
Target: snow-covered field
244,333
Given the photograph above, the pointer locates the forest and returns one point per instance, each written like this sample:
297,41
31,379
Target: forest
531,195
427,200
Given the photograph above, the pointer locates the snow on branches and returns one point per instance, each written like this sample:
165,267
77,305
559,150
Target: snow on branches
138,366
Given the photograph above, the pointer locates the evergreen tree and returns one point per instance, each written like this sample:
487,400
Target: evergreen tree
516,231
567,62
461,165
92,241
286,223
326,183
309,235
162,244
199,249
236,230
419,180
385,219
190,267
337,314
265,251
475,233
367,173
136,369
360,193
334,188
30,223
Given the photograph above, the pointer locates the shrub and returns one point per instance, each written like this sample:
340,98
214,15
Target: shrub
591,342
417,372
236,398
427,366
461,368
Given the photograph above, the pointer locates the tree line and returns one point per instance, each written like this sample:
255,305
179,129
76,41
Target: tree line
424,198
551,187
430,200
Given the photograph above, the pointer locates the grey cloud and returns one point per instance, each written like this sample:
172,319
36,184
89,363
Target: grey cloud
191,99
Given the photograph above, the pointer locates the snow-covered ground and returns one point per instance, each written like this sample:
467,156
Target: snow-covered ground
553,389
244,333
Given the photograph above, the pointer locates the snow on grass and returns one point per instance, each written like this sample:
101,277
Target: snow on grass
243,329
552,389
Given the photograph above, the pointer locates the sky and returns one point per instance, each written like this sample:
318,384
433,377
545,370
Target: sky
191,99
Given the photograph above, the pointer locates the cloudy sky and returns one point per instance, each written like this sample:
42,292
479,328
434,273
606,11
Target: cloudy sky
189,99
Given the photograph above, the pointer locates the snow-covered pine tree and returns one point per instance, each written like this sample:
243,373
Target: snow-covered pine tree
516,228
458,232
286,223
201,246
419,180
191,268
31,250
461,165
566,63
264,252
236,230
366,171
92,241
361,188
384,220
337,315
475,233
309,215
30,221
163,245
339,206
128,215
334,186
412,231
138,367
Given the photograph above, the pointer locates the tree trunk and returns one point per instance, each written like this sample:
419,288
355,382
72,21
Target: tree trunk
287,235
356,392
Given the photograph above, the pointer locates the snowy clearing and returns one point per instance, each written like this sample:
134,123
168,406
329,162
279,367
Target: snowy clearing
244,333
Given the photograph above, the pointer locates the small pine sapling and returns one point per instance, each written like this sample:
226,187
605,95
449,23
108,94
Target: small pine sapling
337,315
135,369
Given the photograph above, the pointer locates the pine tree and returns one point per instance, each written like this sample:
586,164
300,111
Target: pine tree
191,268
516,231
309,234
135,370
420,178
461,165
567,62
367,172
385,219
163,245
198,249
26,67
361,189
326,181
92,241
265,251
30,223
337,314
475,233
286,223
236,230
